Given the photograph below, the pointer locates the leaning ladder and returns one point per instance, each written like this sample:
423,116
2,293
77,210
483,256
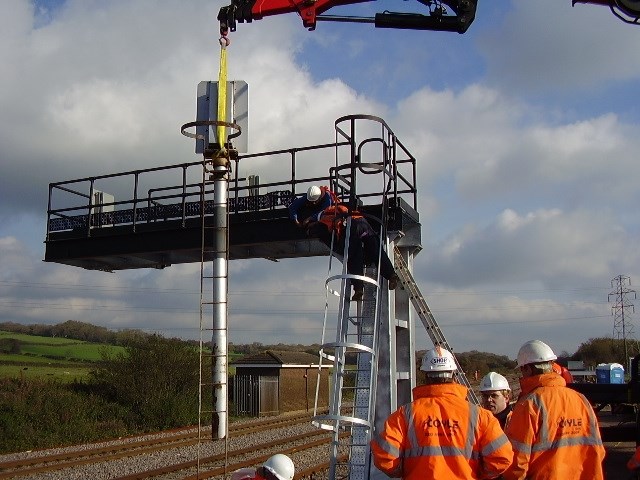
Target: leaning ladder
427,318
355,364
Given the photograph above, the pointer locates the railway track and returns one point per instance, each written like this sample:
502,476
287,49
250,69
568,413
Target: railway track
189,454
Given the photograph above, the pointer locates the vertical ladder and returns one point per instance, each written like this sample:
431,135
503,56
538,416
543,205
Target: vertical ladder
212,394
428,320
206,295
351,406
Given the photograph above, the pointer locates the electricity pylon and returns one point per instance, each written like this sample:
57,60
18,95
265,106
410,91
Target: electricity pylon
621,311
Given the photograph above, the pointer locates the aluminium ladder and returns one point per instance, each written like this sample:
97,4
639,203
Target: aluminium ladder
428,320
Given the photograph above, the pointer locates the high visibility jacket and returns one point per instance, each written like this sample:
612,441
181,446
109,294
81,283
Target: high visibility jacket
440,435
554,433
334,217
634,462
504,416
563,372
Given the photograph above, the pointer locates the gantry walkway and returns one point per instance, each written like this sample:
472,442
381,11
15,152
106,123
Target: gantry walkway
150,218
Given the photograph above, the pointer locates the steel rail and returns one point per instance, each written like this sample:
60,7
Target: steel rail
47,463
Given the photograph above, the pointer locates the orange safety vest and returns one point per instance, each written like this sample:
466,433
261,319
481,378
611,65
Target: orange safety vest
563,372
554,432
334,217
440,435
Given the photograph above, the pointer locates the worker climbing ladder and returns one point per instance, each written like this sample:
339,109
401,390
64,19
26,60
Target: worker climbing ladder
428,320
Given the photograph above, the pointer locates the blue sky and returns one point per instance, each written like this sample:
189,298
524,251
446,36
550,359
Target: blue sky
526,130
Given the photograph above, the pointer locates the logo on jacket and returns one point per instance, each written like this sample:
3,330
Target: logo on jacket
440,424
569,422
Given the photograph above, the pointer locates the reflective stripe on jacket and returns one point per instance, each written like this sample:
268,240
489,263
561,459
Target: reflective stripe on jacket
554,433
440,435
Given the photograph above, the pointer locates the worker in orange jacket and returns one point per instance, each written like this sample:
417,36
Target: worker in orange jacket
553,429
563,372
364,245
440,435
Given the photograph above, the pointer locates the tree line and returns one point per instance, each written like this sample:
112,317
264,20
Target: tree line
153,384
592,352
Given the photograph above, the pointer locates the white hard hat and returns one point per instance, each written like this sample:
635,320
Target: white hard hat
281,466
438,360
314,193
494,381
535,351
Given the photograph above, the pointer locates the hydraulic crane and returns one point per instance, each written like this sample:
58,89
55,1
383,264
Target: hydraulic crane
441,15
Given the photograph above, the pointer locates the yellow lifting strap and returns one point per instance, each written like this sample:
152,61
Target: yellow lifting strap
222,93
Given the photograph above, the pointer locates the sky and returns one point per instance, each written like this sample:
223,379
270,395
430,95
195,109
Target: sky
526,130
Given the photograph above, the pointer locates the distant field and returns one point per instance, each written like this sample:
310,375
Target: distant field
54,357
67,374
50,357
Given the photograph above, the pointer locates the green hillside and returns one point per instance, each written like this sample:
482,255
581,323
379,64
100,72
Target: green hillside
32,356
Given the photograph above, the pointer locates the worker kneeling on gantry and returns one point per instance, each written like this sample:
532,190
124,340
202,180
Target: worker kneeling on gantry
323,216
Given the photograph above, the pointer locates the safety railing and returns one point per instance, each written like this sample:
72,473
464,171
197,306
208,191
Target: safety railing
172,193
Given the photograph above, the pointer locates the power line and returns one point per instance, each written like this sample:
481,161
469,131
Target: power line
195,290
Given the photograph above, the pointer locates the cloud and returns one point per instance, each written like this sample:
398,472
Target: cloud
550,45
527,203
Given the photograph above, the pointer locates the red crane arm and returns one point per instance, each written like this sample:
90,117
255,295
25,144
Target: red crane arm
437,18
307,10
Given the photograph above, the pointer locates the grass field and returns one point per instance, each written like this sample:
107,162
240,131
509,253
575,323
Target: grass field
54,357
49,357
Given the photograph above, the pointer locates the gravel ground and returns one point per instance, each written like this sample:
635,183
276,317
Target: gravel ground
615,462
130,465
